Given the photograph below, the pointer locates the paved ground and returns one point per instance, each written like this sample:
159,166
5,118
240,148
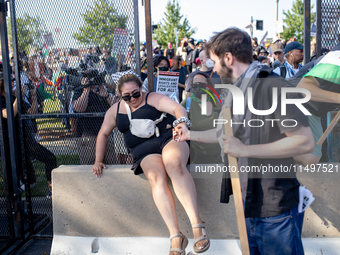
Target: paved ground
153,245
61,147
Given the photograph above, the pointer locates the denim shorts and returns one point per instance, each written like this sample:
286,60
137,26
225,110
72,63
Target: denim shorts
277,235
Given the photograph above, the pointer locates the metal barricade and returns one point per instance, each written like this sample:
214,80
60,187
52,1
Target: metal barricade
64,55
330,30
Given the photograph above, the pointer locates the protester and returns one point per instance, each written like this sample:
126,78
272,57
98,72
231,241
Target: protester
206,68
169,51
188,49
34,149
277,51
180,52
160,63
294,56
320,78
178,68
202,153
91,99
31,178
195,54
273,222
158,156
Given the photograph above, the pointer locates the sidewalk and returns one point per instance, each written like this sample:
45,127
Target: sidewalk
153,245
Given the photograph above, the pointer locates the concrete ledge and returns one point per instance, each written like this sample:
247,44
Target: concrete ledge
119,204
67,245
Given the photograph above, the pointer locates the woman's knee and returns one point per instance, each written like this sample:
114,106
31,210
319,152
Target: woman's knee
175,167
156,178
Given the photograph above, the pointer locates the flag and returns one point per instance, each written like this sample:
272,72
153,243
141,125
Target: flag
328,68
45,51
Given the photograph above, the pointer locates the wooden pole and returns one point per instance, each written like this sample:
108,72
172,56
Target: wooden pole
236,185
329,129
148,33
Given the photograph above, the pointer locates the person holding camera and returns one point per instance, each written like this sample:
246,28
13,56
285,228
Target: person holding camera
90,98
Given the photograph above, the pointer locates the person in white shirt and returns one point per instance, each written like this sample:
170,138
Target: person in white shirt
294,56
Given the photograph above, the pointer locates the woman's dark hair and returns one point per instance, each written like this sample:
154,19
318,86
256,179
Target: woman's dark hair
158,59
175,63
128,78
232,40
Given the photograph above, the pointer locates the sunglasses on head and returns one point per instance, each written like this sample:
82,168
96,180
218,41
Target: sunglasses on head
134,95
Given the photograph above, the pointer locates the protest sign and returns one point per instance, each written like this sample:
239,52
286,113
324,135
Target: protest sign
120,41
167,83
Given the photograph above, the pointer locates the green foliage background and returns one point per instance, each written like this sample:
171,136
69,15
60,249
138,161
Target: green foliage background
165,32
293,22
100,20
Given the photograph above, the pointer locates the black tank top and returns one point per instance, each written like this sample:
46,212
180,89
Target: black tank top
145,112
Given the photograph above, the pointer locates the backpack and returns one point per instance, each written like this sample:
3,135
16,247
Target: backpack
283,71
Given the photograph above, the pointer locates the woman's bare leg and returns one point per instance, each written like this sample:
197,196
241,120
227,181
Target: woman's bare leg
154,171
175,156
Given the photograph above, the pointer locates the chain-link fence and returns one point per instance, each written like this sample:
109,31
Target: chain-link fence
330,23
68,52
330,36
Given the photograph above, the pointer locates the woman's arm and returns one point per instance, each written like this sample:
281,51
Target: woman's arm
15,109
181,85
108,125
34,105
164,104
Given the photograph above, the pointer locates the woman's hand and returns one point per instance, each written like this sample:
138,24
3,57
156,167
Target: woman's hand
181,133
102,91
97,168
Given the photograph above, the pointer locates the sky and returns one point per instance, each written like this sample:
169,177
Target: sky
210,16
207,16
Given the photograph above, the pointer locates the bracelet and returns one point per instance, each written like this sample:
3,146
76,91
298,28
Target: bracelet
181,120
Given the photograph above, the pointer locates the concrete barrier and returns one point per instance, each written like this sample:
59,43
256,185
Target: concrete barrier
119,204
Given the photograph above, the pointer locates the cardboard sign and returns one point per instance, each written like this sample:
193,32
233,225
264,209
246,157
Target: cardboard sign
120,41
167,83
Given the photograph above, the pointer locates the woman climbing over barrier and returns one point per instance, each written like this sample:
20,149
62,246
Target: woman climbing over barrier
156,154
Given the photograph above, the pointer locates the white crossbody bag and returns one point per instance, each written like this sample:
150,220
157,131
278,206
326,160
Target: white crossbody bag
143,128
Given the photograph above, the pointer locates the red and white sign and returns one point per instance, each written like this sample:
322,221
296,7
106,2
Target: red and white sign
120,41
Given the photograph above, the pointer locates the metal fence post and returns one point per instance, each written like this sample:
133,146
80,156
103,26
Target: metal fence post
318,28
10,119
18,95
306,28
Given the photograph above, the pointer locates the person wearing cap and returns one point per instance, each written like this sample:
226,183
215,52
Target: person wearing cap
277,50
262,52
294,56
195,54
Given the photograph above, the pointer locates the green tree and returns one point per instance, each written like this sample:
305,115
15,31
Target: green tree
165,31
30,31
293,22
99,23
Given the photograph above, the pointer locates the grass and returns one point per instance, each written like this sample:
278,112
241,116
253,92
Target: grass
50,106
40,188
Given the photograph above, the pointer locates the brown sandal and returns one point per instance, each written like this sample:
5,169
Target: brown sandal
201,238
183,245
